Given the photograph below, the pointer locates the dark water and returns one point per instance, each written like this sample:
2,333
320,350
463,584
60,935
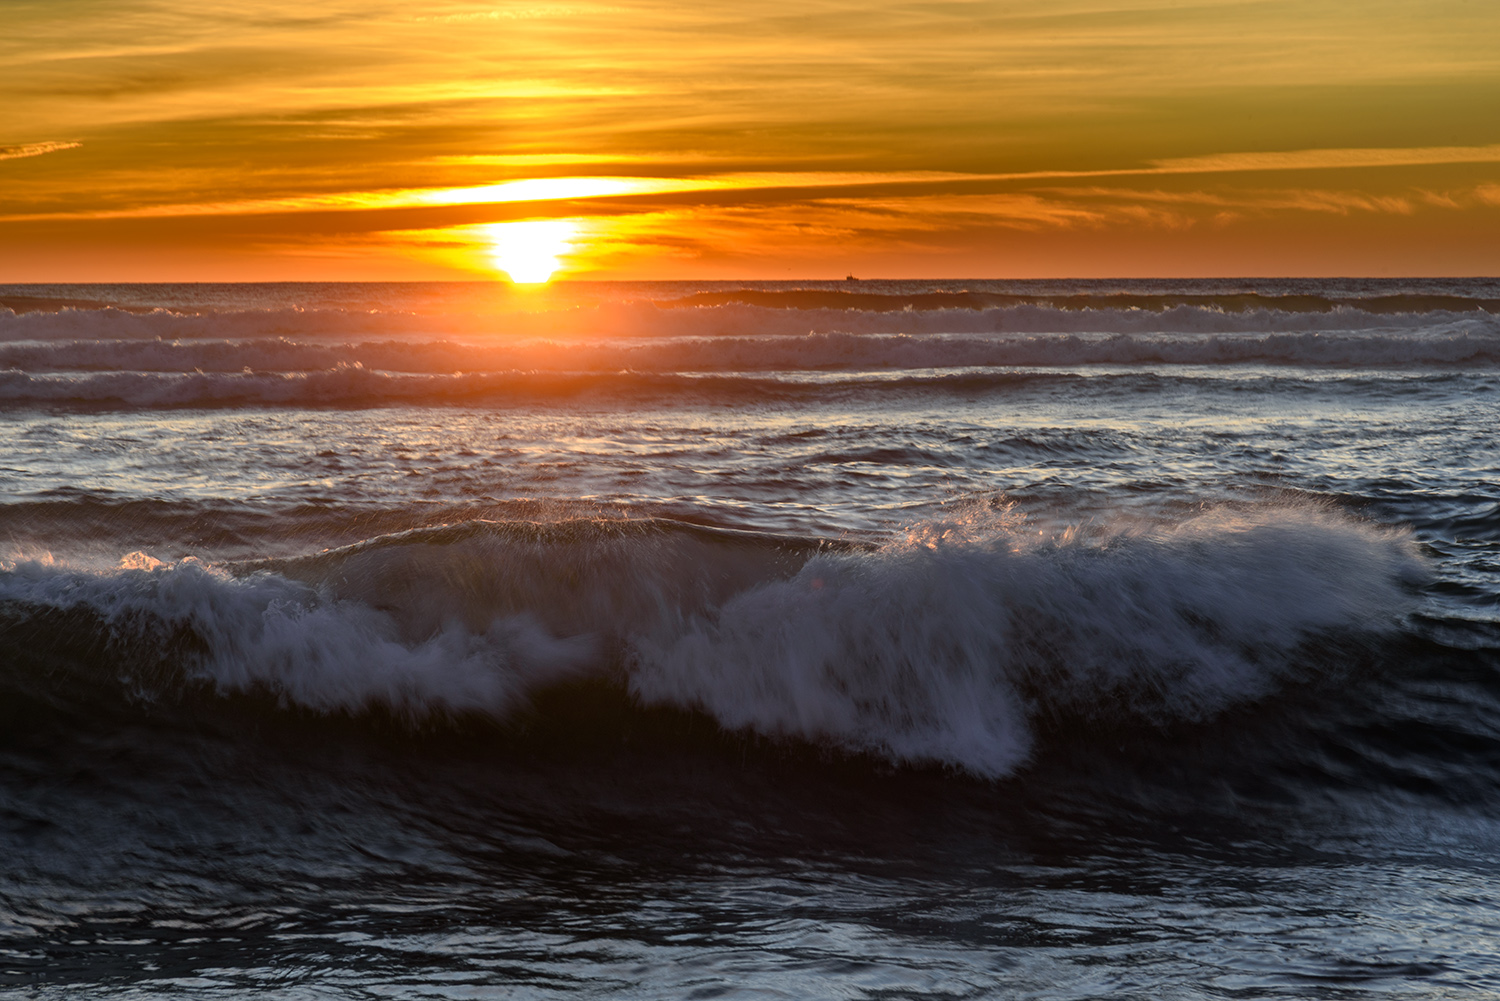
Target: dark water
875,640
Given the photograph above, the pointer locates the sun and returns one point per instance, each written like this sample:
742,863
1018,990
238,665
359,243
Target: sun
528,251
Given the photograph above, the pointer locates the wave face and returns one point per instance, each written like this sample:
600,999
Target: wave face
948,646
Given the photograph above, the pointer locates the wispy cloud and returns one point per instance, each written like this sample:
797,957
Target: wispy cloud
1286,160
594,187
1328,159
34,149
541,189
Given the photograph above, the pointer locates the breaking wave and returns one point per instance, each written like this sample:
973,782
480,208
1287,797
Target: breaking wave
950,645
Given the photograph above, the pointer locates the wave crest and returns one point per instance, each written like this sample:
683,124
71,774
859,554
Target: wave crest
950,645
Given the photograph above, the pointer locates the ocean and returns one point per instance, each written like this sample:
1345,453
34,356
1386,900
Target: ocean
861,639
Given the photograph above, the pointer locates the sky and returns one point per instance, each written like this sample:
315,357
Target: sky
161,140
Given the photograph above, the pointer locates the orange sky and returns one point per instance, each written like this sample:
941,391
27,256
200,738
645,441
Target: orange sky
156,140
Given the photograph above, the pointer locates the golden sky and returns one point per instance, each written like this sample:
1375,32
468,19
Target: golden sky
161,140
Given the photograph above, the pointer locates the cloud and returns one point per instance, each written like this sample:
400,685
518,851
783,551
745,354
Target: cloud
1302,159
1328,159
540,189
34,149
1238,203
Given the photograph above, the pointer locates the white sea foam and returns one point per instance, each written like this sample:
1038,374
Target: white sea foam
265,631
948,645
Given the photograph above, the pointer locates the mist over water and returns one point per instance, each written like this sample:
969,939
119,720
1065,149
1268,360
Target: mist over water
865,639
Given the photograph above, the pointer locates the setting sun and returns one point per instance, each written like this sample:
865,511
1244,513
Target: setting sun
528,251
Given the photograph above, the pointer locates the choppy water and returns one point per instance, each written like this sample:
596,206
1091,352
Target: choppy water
877,639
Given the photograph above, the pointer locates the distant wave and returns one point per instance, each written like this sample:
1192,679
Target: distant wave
735,317
1442,345
724,346
356,386
865,297
1233,302
949,645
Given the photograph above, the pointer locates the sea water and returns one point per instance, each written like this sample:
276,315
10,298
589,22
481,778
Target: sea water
850,639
